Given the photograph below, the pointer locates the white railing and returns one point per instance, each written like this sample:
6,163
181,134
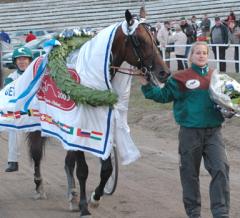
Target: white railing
217,60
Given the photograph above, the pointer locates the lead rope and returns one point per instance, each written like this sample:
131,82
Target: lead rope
128,71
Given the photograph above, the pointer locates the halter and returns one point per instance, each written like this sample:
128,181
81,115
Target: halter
138,52
136,46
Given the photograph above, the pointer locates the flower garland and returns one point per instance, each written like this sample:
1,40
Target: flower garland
77,92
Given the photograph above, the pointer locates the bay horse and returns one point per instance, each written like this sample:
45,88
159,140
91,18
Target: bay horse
136,46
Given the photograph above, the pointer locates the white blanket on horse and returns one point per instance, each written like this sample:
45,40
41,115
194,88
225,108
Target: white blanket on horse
37,104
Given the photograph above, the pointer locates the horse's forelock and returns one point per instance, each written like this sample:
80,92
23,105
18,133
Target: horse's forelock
129,29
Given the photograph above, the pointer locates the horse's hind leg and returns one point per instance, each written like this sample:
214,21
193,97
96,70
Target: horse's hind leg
82,174
106,171
36,144
69,169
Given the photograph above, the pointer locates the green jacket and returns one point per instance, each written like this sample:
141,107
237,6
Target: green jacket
192,105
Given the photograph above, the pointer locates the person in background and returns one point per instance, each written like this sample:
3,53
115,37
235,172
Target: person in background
200,134
179,38
21,57
234,38
5,37
219,35
194,27
163,36
205,26
30,36
143,14
188,30
154,33
231,17
158,26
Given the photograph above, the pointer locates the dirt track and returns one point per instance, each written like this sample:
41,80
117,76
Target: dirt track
149,188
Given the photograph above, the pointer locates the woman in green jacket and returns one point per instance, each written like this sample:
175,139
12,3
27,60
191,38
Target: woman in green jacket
200,132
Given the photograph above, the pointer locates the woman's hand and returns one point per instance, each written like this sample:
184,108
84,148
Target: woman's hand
141,78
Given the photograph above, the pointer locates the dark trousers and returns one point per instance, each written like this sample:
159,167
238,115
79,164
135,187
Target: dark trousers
181,63
206,143
167,56
222,53
236,58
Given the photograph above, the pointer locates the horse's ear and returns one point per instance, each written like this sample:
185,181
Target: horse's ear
128,17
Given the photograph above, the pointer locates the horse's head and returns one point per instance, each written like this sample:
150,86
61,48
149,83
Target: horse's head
134,43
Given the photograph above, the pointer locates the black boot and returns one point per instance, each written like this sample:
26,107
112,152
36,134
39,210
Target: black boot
12,166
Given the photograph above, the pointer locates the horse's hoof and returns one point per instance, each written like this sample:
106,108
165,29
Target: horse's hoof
40,196
86,216
73,203
84,213
93,203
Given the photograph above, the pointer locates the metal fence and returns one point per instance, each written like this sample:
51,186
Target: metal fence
215,61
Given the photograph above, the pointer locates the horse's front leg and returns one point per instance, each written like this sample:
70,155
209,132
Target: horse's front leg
82,175
36,144
106,171
69,169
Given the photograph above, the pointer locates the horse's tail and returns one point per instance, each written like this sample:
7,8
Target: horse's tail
36,145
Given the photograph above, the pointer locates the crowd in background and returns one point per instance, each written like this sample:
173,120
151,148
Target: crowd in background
187,31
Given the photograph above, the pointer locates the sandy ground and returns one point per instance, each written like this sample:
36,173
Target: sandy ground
148,188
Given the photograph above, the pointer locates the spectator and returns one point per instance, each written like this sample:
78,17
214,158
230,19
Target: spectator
179,38
30,36
5,37
188,30
142,14
234,33
195,28
154,33
219,35
22,57
158,26
163,37
231,16
205,26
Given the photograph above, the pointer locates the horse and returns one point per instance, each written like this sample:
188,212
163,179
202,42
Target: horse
136,46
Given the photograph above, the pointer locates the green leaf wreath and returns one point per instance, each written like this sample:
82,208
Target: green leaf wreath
77,92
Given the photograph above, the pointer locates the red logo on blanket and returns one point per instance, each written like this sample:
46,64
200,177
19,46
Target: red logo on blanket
51,94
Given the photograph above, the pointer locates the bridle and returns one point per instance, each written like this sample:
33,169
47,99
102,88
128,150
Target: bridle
146,70
136,45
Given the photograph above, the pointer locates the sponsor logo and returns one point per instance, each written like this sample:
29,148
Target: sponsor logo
192,84
51,94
